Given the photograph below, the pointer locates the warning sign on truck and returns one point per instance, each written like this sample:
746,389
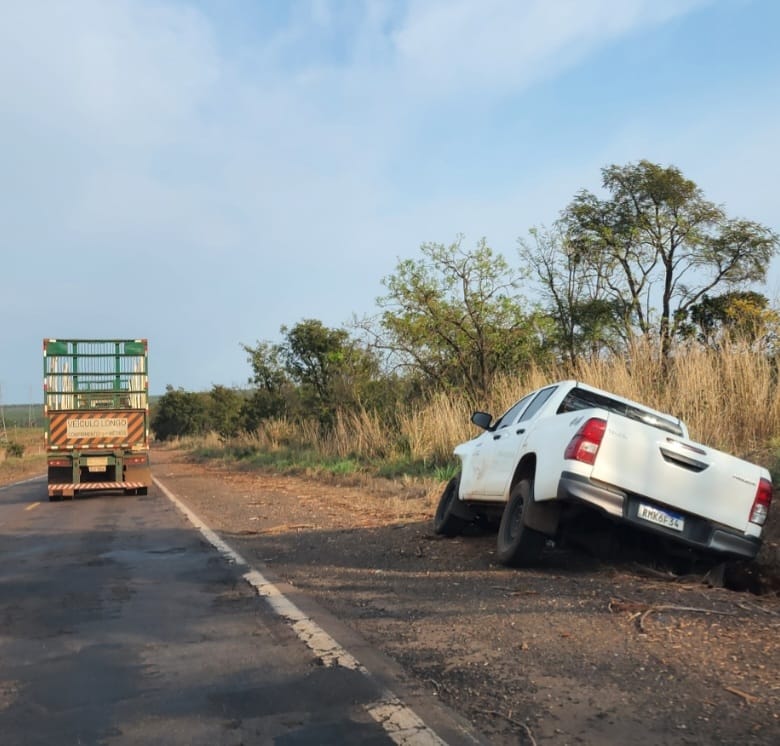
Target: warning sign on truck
114,427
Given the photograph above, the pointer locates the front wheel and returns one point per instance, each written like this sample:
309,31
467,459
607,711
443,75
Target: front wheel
518,545
445,522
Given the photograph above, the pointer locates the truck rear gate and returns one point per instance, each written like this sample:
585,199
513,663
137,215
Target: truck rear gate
96,405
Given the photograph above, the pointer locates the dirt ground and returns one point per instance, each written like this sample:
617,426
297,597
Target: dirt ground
604,648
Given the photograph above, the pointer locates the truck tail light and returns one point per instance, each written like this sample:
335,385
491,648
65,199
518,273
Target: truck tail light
585,444
135,460
760,510
59,462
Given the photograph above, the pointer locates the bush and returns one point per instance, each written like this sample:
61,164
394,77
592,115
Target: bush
180,413
14,450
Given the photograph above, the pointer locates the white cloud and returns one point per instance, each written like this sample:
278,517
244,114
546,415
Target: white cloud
448,46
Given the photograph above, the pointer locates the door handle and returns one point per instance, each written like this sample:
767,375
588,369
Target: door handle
520,431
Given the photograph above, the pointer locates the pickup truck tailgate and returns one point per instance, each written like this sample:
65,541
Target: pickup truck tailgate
677,472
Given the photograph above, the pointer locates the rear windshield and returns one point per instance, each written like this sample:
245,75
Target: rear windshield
581,399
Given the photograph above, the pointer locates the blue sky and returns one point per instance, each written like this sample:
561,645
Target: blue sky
202,172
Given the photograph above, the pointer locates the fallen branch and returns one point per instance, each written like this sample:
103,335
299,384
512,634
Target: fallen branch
515,591
757,607
653,573
283,528
749,698
695,609
517,723
640,611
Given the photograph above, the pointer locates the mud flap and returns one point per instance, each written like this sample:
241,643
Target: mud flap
462,510
542,517
138,473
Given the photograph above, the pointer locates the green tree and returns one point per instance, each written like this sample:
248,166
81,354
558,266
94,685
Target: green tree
259,406
657,243
745,315
454,317
274,395
225,412
585,318
313,370
314,357
179,412
268,371
331,368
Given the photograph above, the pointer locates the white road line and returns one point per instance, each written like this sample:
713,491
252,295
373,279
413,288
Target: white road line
400,722
23,481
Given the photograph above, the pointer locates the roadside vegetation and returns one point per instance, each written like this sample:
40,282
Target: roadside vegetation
21,451
644,289
728,397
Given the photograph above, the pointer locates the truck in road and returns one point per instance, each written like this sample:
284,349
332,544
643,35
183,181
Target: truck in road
568,447
96,407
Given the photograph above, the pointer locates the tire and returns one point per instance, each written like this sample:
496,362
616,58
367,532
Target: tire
445,522
518,545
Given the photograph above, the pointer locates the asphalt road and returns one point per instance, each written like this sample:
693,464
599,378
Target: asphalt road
120,623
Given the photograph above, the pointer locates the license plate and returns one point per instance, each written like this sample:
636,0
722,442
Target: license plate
661,517
97,463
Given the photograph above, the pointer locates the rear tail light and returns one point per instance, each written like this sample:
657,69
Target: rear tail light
760,510
135,460
585,444
59,462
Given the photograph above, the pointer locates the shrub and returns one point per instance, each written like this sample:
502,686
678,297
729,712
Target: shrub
14,449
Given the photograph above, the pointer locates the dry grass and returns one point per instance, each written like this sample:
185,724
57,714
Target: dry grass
359,433
32,460
729,398
429,431
30,438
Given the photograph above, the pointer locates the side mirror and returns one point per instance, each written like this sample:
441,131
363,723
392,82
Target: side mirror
482,419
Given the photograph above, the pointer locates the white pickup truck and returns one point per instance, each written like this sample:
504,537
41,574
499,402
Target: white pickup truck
567,446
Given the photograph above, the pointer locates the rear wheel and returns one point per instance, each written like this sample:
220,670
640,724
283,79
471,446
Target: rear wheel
518,545
446,522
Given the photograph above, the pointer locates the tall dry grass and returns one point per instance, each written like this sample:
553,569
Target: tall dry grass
21,452
729,398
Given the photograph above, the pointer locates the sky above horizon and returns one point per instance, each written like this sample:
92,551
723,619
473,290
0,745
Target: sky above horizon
201,173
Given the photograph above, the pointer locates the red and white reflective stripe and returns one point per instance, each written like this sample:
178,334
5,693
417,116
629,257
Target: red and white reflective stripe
62,487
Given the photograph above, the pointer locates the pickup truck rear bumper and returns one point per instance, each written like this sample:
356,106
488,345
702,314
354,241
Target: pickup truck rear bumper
698,532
